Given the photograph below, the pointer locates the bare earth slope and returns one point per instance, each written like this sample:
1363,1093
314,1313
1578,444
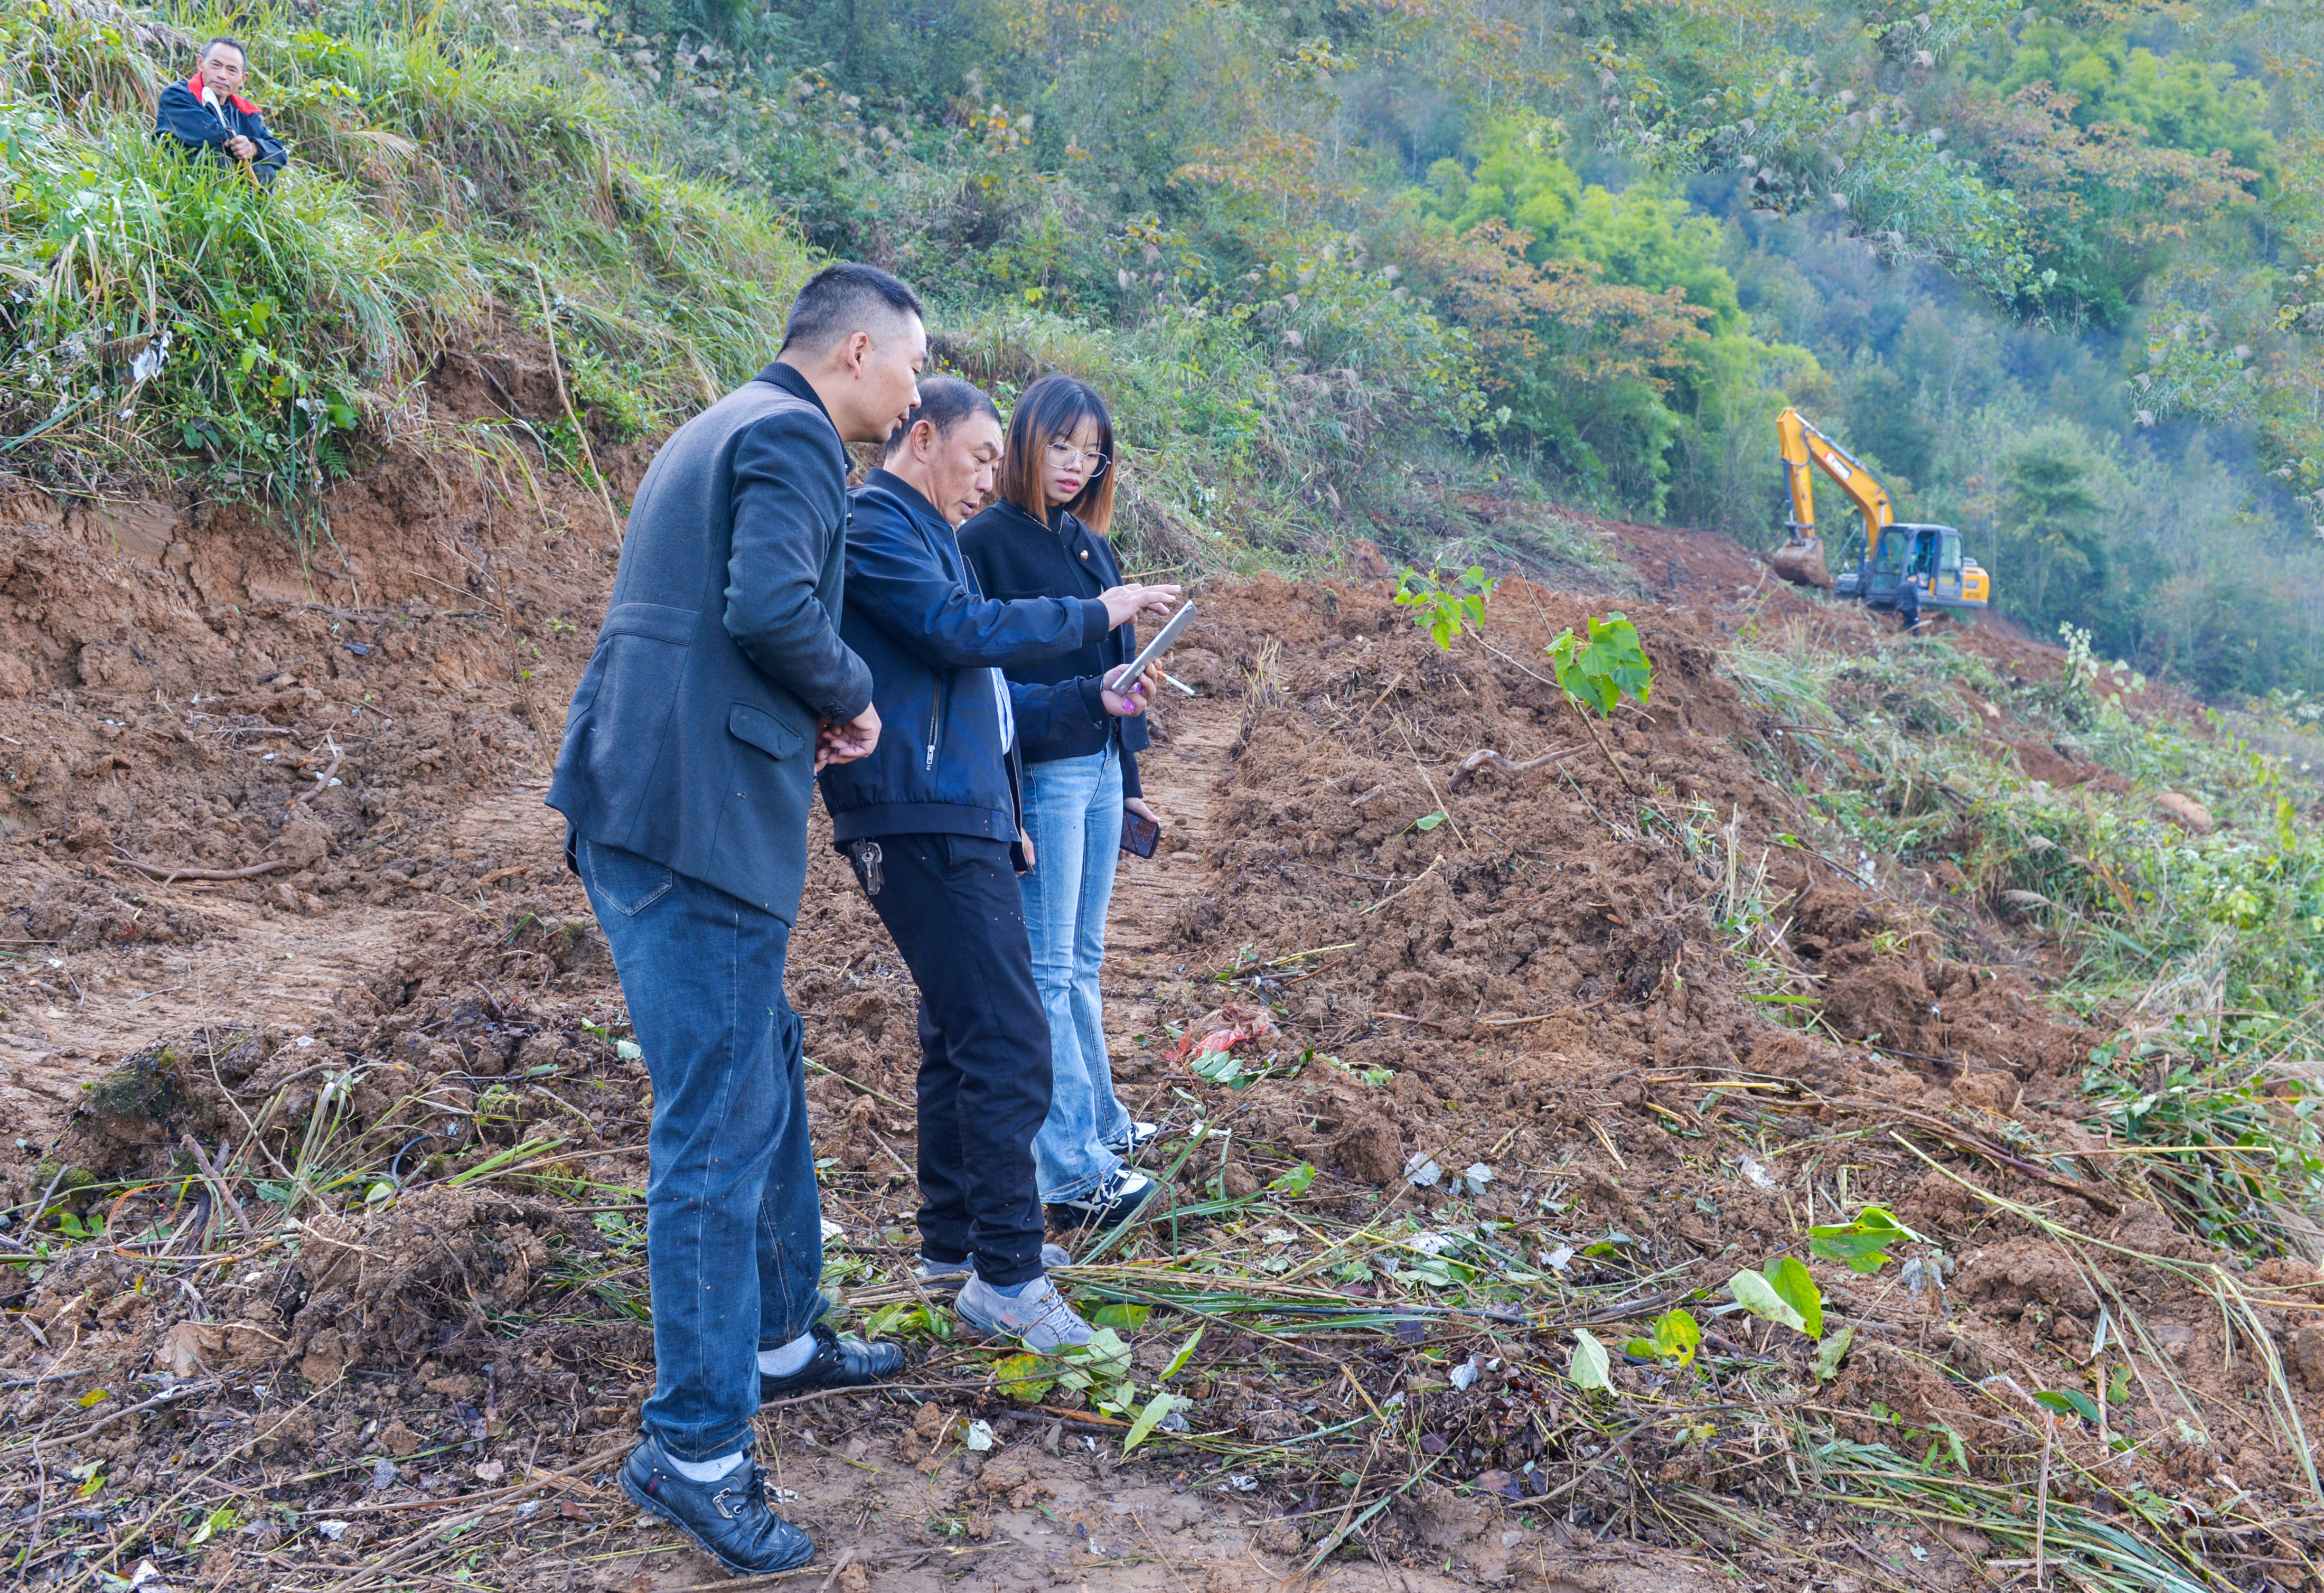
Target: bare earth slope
414,1302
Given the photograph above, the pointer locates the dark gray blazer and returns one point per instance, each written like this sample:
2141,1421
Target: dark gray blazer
691,738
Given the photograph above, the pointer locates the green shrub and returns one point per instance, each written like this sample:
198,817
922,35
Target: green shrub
170,319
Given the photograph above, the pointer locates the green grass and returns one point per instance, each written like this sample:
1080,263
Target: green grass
2202,955
439,190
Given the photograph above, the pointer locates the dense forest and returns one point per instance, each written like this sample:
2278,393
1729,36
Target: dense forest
2049,270
2052,270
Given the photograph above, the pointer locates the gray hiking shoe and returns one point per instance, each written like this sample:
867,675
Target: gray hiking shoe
949,1276
1040,1318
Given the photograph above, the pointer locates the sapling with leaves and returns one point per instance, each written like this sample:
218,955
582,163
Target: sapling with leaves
1863,1244
1600,672
1610,666
1442,607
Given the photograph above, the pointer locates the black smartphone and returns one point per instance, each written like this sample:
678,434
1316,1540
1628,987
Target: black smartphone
1138,834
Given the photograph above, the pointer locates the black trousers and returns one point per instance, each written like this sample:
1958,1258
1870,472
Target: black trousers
952,903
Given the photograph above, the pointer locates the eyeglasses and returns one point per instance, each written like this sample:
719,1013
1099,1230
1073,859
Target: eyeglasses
1064,455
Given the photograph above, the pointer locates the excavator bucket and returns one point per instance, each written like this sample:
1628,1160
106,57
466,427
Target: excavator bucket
1801,562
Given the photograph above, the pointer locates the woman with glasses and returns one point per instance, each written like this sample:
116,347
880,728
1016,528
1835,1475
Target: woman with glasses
1045,537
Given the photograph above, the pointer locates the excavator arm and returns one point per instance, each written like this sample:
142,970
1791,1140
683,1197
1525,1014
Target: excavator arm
1902,565
1801,443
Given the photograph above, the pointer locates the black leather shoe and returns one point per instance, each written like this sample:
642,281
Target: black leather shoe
727,1520
837,1363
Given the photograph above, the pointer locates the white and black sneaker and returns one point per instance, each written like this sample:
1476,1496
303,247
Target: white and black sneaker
1138,1138
1110,1204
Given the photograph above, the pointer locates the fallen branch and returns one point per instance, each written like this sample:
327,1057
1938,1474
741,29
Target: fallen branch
166,1396
1416,879
1503,1023
216,1174
169,874
323,781
1486,756
1977,1145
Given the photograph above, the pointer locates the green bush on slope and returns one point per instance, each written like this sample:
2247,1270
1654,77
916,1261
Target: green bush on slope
167,318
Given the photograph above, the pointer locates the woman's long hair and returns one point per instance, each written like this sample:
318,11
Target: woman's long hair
1054,407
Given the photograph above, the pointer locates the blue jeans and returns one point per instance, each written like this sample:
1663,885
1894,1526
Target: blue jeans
734,1223
1073,812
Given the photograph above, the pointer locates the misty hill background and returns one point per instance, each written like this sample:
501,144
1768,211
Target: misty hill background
1414,270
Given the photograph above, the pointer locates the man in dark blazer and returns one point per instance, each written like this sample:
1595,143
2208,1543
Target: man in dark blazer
719,686
207,113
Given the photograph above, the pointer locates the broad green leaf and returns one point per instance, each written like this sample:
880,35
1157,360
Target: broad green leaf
1756,1294
1959,1451
1186,1353
1830,1352
1129,1318
1024,1376
1791,1279
1610,666
1864,1244
1160,1406
224,1519
1677,1337
1105,1354
1428,822
95,1397
95,1484
2068,1402
1295,1182
1589,1364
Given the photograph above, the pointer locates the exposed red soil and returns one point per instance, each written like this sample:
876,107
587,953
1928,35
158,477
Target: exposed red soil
1538,984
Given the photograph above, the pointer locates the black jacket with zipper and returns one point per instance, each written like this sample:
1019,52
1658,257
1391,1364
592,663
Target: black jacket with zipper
1015,557
915,614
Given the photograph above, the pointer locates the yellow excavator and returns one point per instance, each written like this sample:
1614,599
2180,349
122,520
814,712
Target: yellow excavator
1892,566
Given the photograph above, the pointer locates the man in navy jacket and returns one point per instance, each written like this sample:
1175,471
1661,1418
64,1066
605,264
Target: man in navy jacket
719,684
933,824
208,113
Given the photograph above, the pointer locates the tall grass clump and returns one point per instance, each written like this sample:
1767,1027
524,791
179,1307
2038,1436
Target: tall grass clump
168,318
2200,955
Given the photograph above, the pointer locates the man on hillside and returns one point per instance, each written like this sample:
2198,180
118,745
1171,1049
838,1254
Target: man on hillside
719,686
932,820
207,114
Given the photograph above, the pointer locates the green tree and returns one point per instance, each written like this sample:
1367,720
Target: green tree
2055,549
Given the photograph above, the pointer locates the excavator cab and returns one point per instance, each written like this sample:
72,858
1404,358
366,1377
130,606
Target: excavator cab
1930,556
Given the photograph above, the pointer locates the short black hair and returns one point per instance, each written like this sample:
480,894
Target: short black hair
838,299
945,402
227,40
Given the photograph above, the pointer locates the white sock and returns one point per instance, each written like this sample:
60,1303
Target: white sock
785,1360
705,1470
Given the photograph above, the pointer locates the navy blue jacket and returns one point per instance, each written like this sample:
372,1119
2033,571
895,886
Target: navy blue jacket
184,118
1017,557
691,738
915,616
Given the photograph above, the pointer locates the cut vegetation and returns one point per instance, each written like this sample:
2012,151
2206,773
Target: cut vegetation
1667,1083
